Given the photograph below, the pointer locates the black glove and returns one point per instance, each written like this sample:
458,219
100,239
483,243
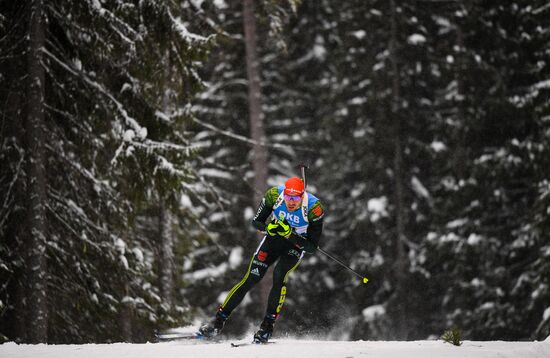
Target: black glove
302,243
260,226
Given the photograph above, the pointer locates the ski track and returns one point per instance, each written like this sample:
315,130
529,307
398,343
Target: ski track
284,348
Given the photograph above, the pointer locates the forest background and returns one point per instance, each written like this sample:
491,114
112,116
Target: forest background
138,136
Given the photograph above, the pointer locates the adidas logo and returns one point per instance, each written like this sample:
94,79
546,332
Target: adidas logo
255,272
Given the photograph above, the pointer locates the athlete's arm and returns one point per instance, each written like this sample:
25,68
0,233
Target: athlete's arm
265,209
315,227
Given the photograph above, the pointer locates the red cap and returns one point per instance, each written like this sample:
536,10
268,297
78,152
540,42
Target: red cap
294,186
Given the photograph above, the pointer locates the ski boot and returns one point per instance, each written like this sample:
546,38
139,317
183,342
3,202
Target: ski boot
214,327
266,329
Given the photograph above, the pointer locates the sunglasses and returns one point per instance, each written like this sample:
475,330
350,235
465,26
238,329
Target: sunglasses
293,197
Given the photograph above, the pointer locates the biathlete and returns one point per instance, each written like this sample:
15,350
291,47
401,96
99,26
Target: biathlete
294,224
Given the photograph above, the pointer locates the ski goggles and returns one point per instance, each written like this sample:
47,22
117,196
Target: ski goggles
293,197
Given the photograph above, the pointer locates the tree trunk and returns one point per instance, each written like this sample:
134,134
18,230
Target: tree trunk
460,153
256,115
400,265
166,253
20,330
126,311
36,264
15,108
126,315
255,102
166,245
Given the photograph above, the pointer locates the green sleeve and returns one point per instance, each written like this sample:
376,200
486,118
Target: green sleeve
271,196
265,208
316,212
315,227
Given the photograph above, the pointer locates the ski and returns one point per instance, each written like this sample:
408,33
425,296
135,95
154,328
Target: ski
168,337
235,345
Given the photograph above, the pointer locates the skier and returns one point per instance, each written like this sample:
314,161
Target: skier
295,228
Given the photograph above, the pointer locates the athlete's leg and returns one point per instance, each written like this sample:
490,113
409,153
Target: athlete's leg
287,263
265,255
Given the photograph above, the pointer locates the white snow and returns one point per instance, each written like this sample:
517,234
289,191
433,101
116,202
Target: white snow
236,257
142,133
375,12
542,85
359,133
96,4
358,101
138,254
182,30
419,188
185,202
77,64
487,306
450,237
215,173
371,313
124,261
285,348
220,4
218,216
438,146
197,3
209,272
443,22
457,223
129,135
474,239
319,51
476,282
248,213
120,245
416,39
329,282
378,208
359,34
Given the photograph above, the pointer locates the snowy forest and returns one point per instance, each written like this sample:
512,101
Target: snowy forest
138,136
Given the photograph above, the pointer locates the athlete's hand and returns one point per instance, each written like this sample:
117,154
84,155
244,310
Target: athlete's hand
272,227
279,228
302,243
284,230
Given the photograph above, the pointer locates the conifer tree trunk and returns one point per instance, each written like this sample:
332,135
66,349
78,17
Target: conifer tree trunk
14,108
166,249
460,153
126,311
36,188
126,315
400,266
20,330
166,259
255,101
256,115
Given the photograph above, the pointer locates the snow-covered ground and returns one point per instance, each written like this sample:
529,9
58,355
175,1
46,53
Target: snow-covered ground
285,348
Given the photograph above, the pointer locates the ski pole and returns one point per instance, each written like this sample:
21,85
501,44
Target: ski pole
303,167
365,280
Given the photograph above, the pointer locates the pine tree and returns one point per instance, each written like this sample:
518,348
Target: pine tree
485,195
36,176
108,146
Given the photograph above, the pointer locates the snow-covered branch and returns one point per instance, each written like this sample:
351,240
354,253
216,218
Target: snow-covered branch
246,139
